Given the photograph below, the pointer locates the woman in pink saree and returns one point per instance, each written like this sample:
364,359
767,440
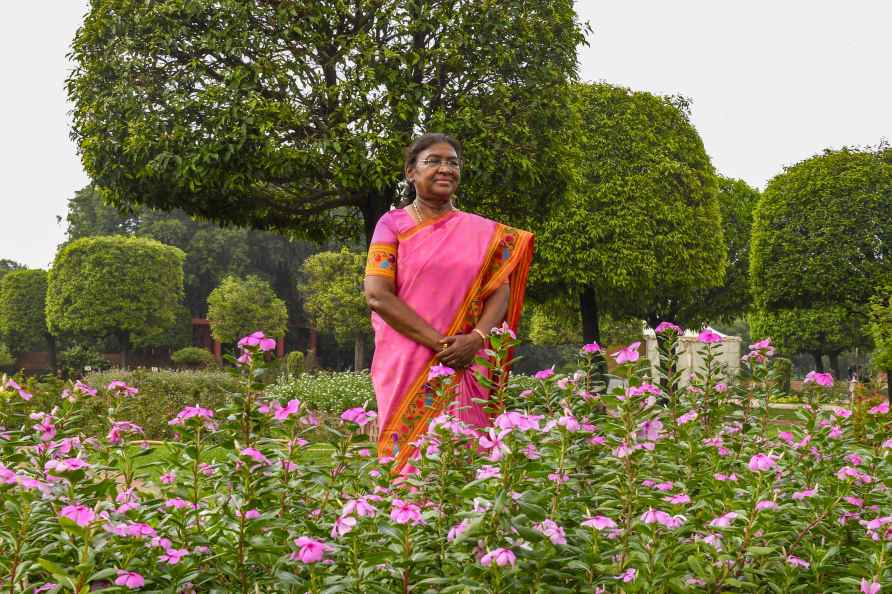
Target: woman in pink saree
437,280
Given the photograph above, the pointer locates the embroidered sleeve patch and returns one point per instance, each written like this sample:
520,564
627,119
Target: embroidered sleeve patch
382,260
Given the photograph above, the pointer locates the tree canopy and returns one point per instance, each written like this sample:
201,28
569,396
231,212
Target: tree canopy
242,306
821,244
333,297
293,115
22,318
114,285
639,234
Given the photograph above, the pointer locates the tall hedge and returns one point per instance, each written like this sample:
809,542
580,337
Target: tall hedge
115,285
22,317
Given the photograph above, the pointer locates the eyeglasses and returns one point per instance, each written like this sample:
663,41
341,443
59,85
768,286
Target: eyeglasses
437,163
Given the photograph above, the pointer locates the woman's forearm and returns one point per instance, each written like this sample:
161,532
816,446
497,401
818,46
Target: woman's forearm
494,310
406,321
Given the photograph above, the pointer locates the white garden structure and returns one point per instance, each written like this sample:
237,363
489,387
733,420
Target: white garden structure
689,353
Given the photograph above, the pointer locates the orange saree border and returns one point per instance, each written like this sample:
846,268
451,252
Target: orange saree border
508,258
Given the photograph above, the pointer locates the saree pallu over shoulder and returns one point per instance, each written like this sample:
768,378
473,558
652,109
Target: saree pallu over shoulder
503,255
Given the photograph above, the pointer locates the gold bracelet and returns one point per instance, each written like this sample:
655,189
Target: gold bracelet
482,335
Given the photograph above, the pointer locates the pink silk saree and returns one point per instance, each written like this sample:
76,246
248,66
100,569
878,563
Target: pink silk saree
444,269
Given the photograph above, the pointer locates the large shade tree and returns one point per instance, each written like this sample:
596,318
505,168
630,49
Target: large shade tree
880,329
114,285
7,265
22,318
821,244
639,234
292,115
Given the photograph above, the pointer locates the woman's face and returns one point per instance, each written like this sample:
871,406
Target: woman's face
436,172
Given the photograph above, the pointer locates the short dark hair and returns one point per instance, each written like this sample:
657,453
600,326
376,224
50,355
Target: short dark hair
410,156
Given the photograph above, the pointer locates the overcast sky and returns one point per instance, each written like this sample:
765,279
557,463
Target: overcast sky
772,83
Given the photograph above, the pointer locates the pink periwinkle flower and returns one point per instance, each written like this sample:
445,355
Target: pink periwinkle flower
668,326
168,478
487,472
121,388
85,389
280,413
761,463
599,522
119,428
458,530
516,420
244,359
871,587
689,416
766,504
79,514
46,587
500,557
255,455
763,345
650,430
130,579
252,514
342,526
592,347
552,530
679,499
708,336
358,415
880,409
821,379
724,520
23,393
797,562
493,442
404,512
258,339
311,550
628,354
361,507
628,576
190,412
800,495
544,373
559,478
440,370
172,556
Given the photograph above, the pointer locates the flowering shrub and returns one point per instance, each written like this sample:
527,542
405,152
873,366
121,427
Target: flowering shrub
664,489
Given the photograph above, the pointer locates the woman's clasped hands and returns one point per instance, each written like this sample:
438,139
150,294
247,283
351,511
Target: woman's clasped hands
459,351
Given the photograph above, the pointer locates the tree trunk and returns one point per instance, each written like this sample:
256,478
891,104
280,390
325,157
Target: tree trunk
359,353
889,385
588,305
834,364
819,360
376,204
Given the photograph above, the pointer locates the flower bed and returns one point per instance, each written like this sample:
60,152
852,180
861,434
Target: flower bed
663,490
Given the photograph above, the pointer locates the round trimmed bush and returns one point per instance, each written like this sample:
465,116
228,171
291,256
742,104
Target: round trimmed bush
75,360
294,363
193,357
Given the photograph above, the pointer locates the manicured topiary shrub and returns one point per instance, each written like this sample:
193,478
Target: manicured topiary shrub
193,357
